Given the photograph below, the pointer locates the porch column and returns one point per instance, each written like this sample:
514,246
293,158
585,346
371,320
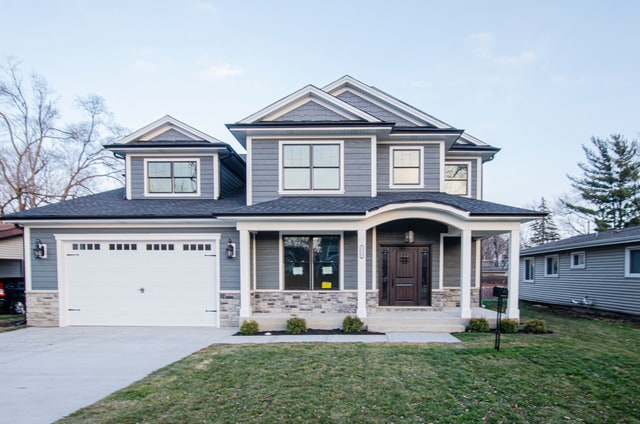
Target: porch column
362,274
513,310
465,274
244,254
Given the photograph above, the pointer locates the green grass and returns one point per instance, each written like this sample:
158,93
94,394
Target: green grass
11,317
586,371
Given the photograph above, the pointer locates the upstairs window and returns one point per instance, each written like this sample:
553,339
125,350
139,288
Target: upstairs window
456,179
307,167
406,167
172,177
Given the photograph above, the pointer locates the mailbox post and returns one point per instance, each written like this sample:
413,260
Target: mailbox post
501,293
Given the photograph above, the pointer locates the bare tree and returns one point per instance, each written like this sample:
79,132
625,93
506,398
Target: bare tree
41,160
495,251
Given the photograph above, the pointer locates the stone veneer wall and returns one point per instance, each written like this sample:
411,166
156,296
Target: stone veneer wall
229,309
42,308
450,298
294,302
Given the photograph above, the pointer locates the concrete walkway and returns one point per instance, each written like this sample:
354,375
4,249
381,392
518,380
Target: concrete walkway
48,373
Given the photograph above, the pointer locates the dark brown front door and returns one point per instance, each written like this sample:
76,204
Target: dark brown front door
405,278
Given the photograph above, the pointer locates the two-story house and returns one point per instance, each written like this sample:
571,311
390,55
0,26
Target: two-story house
349,201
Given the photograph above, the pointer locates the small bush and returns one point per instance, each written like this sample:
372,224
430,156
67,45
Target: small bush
478,325
508,325
249,328
352,324
296,325
537,326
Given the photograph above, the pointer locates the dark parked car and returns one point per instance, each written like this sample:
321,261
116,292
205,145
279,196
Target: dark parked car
12,297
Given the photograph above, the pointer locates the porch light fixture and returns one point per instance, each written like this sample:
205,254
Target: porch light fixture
409,236
40,250
231,249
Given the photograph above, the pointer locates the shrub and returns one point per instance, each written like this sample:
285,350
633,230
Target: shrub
478,325
249,328
509,325
296,325
352,324
535,326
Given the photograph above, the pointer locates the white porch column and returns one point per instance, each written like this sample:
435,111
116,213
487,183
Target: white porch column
244,254
513,310
465,274
362,274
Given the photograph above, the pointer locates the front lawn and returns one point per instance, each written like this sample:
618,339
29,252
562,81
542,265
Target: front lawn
586,371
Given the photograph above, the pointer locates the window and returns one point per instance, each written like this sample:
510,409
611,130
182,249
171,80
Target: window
577,260
529,266
632,262
406,167
311,167
172,177
551,266
311,262
456,179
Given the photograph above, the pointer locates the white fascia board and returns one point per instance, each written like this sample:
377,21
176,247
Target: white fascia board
158,126
473,140
271,111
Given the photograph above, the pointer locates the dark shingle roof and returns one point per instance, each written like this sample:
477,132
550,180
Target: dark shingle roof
112,204
624,235
338,205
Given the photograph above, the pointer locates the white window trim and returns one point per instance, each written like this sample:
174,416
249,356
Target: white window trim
533,268
627,263
584,260
312,233
469,171
282,190
147,193
557,257
393,149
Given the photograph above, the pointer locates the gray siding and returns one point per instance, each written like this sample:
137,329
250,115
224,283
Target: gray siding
350,261
11,268
265,172
171,135
372,109
206,177
311,111
267,261
431,170
602,280
451,263
44,273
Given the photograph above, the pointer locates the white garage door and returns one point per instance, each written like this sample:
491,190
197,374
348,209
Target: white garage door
150,282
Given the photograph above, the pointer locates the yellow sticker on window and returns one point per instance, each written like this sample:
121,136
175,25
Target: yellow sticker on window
326,284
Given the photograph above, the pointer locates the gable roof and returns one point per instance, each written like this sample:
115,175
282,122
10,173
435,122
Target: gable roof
605,238
163,125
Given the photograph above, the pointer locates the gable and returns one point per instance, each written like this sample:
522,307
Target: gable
310,111
381,113
171,134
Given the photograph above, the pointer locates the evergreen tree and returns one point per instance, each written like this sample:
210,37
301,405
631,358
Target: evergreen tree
544,230
610,186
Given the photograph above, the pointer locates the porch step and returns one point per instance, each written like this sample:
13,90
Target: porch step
401,322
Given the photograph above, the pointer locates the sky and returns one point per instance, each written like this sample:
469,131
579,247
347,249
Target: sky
537,78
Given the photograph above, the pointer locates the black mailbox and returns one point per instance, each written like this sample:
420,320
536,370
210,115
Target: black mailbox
500,292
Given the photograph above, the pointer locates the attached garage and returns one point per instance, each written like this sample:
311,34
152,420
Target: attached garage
150,280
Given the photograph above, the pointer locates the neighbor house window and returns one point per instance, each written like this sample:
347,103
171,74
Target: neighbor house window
578,260
456,179
528,269
632,262
551,266
172,176
406,166
311,166
311,262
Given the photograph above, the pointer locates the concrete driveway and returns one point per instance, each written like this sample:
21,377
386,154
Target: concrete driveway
48,373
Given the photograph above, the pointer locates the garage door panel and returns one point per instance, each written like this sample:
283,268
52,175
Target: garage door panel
143,283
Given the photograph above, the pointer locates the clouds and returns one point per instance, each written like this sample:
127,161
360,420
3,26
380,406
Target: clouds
483,46
221,71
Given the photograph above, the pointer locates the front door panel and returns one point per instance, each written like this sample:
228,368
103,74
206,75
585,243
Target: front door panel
405,275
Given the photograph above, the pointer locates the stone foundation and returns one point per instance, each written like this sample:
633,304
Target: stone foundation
300,302
229,309
450,298
42,308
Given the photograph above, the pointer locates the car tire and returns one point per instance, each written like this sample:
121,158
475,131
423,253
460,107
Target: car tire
18,307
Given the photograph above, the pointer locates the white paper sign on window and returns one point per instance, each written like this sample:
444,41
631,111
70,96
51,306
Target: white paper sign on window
327,270
298,270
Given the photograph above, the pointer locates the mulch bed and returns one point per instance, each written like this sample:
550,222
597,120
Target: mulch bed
313,331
